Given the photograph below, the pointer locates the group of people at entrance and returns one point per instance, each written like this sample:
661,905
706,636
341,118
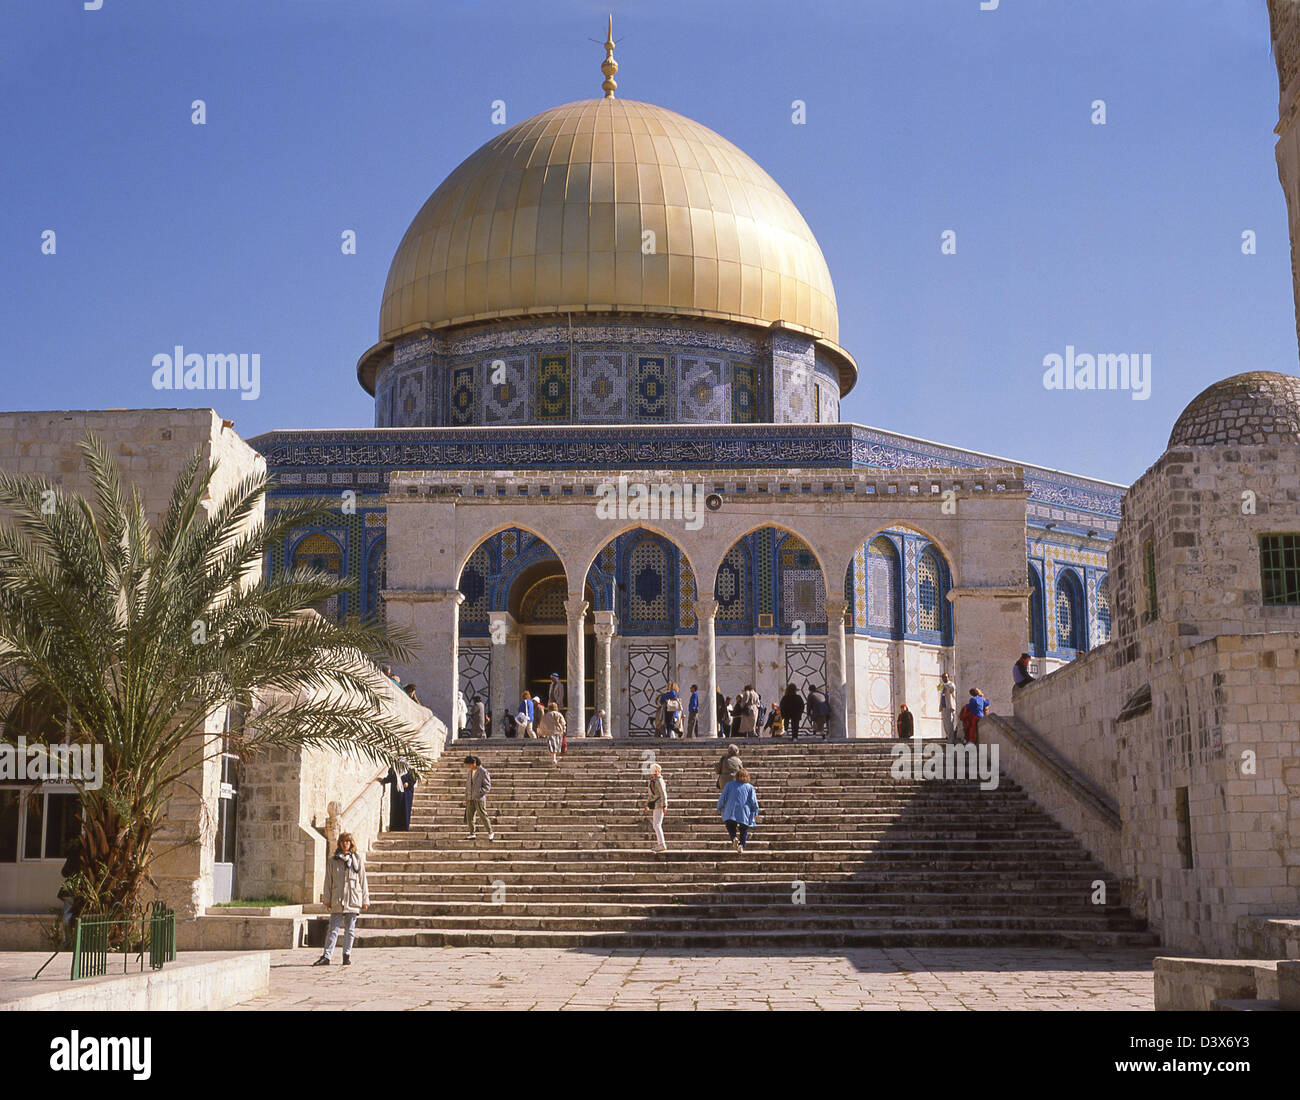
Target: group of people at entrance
975,708
744,716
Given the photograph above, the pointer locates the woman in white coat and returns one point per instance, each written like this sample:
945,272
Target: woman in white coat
346,894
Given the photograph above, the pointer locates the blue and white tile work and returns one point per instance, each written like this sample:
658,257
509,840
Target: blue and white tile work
605,372
766,586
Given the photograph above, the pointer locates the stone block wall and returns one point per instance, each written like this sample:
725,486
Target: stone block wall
286,829
1205,764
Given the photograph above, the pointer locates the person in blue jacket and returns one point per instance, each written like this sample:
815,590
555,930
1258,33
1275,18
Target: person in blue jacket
738,805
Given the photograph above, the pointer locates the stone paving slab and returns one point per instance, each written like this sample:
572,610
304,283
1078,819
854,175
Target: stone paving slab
195,980
923,979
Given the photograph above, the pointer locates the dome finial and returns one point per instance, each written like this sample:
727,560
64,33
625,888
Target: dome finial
609,66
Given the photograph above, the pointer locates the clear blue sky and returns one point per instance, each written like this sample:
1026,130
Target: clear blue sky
922,116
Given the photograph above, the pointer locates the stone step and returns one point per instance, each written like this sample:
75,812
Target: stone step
882,861
684,907
762,923
796,939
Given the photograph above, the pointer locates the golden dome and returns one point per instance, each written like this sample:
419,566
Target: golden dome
609,205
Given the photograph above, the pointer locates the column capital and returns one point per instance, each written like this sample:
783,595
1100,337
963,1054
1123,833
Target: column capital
605,623
576,607
835,608
423,595
706,609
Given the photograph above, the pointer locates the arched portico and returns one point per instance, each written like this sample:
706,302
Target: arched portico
972,522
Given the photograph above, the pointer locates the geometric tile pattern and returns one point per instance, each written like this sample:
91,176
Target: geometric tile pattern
553,388
647,582
744,394
462,396
929,615
702,397
882,587
803,591
505,396
602,387
409,401
650,388
731,589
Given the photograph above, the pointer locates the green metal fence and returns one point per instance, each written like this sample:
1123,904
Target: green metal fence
95,938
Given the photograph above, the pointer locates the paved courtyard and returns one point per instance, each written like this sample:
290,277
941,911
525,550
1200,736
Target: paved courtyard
880,979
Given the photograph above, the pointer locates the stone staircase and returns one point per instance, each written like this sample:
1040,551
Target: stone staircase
882,862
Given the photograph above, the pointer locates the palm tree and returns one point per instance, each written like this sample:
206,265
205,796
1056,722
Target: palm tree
134,636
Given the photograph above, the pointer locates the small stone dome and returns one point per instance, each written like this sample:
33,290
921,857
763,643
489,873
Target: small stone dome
1251,409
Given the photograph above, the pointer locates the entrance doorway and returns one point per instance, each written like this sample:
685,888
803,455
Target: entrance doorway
547,653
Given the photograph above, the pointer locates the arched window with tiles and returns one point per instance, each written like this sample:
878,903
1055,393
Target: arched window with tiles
802,587
933,611
376,580
884,592
645,591
320,552
1037,617
1071,628
1103,610
474,586
731,590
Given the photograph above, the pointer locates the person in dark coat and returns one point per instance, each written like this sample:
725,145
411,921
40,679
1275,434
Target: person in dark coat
819,709
402,780
906,725
724,714
478,718
1020,675
792,710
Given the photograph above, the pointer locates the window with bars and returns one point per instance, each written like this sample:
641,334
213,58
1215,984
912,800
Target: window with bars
1103,609
882,587
1279,569
928,592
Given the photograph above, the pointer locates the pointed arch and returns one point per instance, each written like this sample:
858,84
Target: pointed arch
1071,623
1037,616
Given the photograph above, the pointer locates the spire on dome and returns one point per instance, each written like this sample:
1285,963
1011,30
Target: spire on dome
609,66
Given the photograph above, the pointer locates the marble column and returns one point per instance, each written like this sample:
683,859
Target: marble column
706,610
502,629
576,609
434,615
835,679
605,629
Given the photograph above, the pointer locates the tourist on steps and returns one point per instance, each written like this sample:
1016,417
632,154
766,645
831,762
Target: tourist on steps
524,719
552,728
738,805
819,709
477,717
596,727
656,803
724,714
747,704
555,693
947,695
792,708
728,766
402,780
477,785
1020,674
669,718
346,894
976,707
693,712
906,724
